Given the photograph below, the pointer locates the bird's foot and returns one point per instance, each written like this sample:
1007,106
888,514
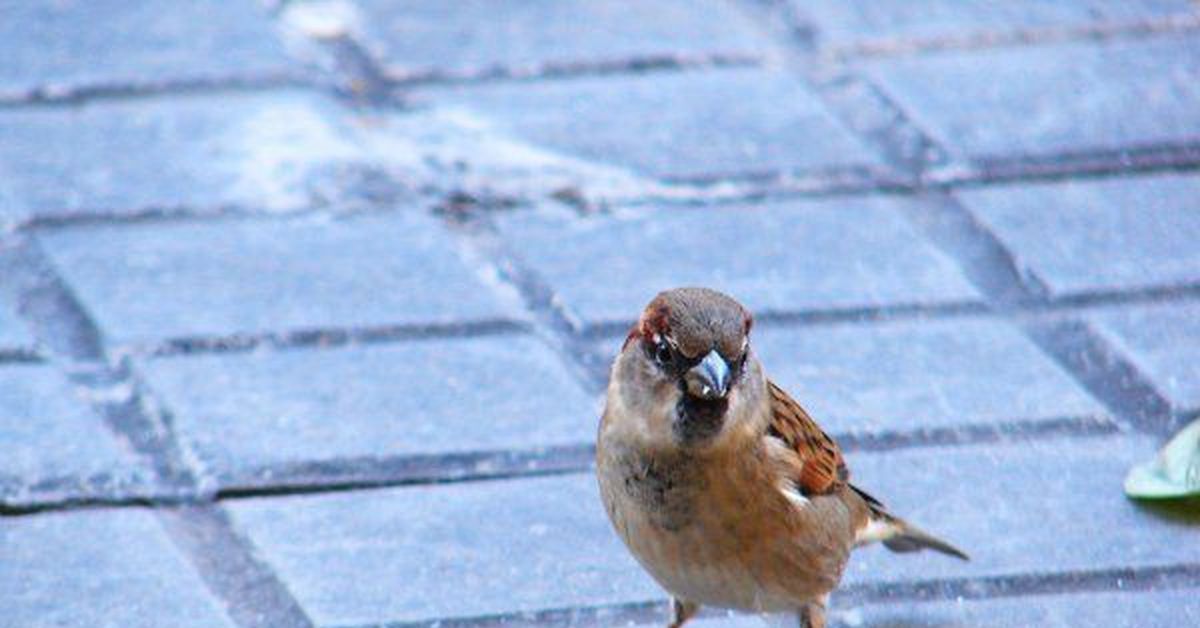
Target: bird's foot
681,611
812,615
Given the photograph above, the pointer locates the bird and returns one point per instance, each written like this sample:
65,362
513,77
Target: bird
719,483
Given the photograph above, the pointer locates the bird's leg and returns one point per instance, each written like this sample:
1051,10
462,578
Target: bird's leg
681,611
812,615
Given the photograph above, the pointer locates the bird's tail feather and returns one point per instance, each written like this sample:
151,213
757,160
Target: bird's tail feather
899,535
908,538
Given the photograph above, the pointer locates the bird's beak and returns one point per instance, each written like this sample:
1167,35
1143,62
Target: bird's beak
710,378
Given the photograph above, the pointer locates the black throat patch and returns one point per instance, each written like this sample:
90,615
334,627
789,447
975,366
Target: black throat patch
697,420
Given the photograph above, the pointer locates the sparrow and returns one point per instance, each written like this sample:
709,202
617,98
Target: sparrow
720,484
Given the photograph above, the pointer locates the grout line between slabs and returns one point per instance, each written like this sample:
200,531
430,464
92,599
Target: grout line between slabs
1114,579
609,329
51,312
1052,309
403,470
19,497
629,66
554,323
361,78
371,473
986,40
87,94
347,474
146,214
1099,162
20,355
324,337
252,594
725,190
1105,373
1141,295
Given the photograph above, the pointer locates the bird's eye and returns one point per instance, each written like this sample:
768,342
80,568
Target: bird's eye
663,354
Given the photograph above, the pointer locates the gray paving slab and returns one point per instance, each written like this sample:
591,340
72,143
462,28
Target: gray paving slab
1051,99
276,151
195,278
1044,506
378,556
905,375
420,35
741,121
781,256
53,438
840,23
99,569
1071,610
1163,341
1100,234
76,43
248,411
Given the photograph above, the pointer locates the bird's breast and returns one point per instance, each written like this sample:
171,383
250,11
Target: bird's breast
708,534
661,489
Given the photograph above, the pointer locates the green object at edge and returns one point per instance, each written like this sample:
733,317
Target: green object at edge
1174,473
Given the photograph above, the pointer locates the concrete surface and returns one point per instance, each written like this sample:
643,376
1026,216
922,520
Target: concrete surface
305,307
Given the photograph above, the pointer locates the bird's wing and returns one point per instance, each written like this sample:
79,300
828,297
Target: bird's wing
822,470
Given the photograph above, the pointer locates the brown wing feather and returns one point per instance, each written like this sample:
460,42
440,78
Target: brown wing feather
824,469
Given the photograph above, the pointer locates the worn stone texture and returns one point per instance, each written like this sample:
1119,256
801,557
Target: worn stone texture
1051,99
273,151
52,47
99,569
676,125
856,253
249,411
415,35
842,23
1098,235
53,439
1162,341
149,282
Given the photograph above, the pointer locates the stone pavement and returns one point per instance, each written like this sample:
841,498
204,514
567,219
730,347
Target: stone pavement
305,307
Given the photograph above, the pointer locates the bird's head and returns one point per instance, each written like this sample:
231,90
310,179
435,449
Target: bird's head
686,376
